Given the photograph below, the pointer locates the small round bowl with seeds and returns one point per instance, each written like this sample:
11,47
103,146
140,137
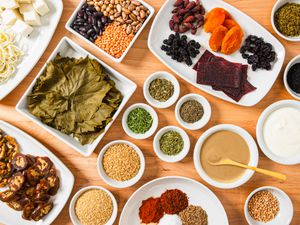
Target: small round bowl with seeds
93,205
161,89
121,164
193,111
268,206
171,144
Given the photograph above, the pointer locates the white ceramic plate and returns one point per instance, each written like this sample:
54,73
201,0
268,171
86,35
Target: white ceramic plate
29,145
34,46
198,195
263,80
67,47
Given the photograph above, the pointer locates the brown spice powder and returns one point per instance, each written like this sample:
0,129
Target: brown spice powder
193,215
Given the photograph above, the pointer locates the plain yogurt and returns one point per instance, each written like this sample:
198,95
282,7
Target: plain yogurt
170,220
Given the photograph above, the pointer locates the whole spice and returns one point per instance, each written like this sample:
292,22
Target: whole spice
161,89
171,143
293,78
94,207
263,206
174,201
151,211
193,215
191,111
114,40
287,19
121,162
139,121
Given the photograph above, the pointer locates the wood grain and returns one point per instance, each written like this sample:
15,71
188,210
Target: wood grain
138,64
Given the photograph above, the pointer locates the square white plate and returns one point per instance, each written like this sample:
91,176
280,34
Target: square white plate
34,46
263,80
28,145
67,47
68,27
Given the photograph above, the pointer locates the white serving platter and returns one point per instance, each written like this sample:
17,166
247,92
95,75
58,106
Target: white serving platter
197,193
263,80
67,47
28,145
34,46
73,16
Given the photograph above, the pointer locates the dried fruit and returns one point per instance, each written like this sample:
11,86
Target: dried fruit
214,18
232,40
216,38
230,23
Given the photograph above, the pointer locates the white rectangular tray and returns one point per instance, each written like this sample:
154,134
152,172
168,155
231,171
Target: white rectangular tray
67,47
28,145
263,80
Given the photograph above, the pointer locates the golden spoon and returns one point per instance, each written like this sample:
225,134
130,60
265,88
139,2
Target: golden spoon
226,161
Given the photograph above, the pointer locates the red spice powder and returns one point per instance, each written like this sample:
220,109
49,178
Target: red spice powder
151,210
174,201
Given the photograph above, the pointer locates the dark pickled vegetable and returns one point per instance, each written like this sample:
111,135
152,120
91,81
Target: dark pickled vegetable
19,162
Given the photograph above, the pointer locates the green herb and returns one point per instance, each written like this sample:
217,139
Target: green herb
287,19
171,143
76,97
191,111
161,89
139,121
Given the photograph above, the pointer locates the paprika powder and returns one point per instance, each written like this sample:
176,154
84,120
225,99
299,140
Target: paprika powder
174,201
151,210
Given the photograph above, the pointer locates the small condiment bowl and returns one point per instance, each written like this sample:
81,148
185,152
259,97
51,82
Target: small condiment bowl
112,182
287,68
150,131
171,158
286,210
72,213
276,6
161,75
205,118
260,137
252,149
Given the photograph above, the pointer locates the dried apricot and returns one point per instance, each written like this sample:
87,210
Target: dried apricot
216,38
214,18
230,23
232,40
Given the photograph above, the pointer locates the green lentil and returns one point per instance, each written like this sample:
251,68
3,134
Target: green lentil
171,143
139,121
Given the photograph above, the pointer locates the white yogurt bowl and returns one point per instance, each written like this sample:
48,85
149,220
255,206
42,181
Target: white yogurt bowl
295,159
72,213
161,75
205,118
252,149
171,158
286,209
287,68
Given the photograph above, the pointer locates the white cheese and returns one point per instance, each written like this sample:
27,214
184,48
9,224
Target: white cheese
9,16
9,4
25,8
32,18
22,28
24,1
41,7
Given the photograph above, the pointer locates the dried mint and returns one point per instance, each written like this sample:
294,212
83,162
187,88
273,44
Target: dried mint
139,121
161,89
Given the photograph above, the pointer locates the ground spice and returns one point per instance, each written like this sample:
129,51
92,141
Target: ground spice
293,78
151,210
139,121
114,40
193,215
121,162
171,143
94,207
174,201
161,89
191,111
263,206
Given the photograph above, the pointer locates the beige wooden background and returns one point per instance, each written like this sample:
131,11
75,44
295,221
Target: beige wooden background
138,64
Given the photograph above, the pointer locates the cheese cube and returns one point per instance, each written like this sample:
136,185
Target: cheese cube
40,7
9,16
24,1
32,18
9,4
22,28
25,8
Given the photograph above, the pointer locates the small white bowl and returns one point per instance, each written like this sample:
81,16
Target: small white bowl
287,68
161,75
171,158
120,184
286,209
72,213
252,149
276,6
150,131
292,160
205,118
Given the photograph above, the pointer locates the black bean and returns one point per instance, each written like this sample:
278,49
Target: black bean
80,13
91,9
91,32
83,29
90,19
96,29
103,19
84,34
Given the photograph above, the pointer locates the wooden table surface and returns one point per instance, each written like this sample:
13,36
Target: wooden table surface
137,65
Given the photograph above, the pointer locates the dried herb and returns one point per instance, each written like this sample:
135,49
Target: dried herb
293,78
191,111
171,143
161,89
139,121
